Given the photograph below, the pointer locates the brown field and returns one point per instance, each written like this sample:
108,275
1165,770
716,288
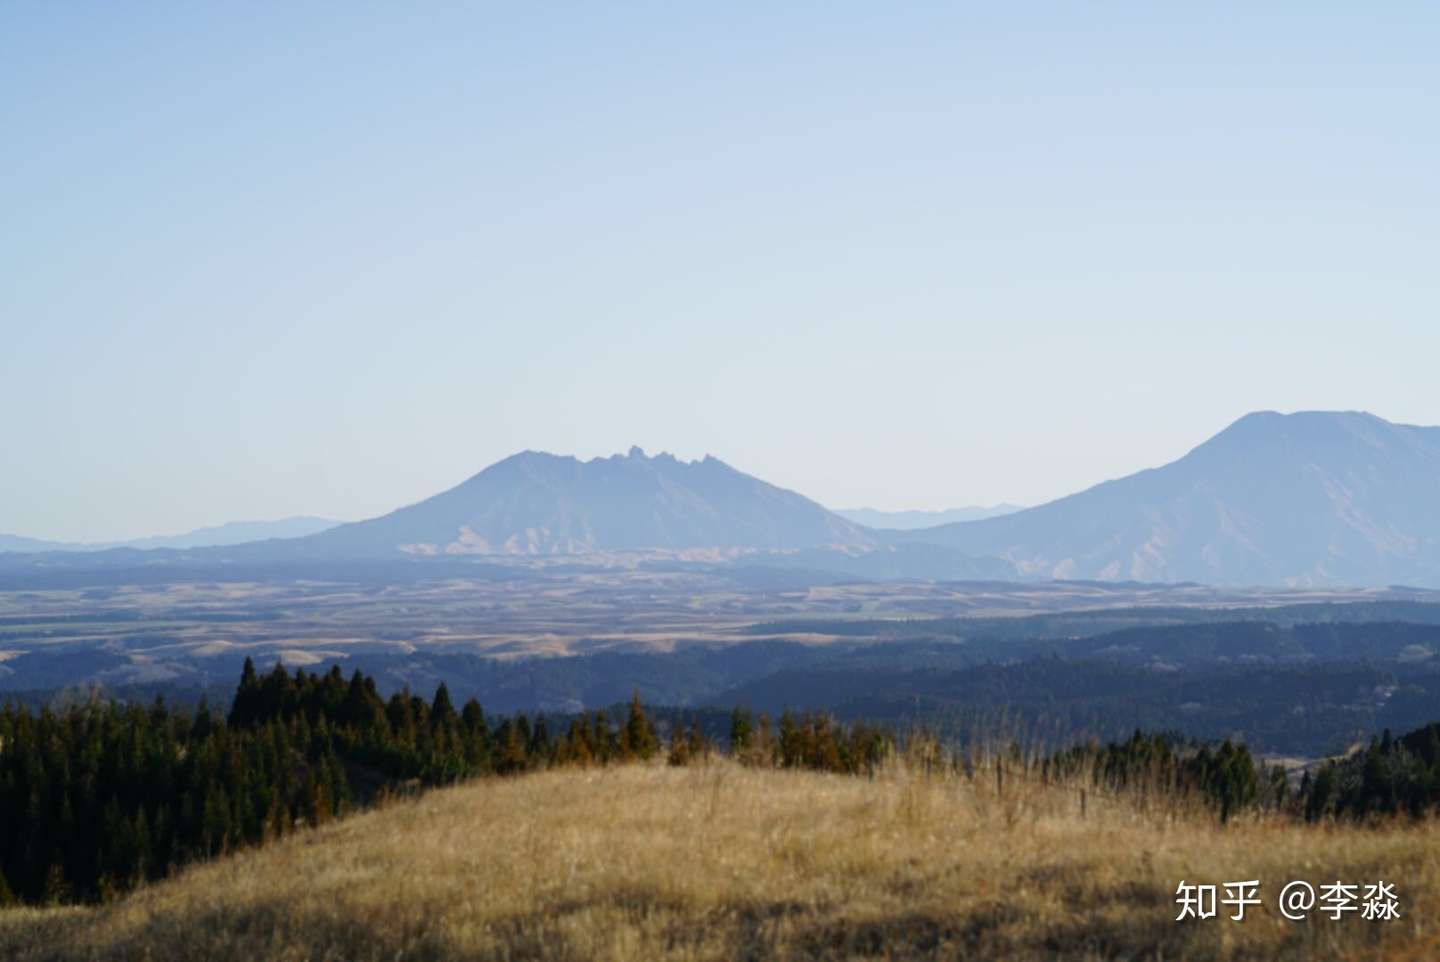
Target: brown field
724,862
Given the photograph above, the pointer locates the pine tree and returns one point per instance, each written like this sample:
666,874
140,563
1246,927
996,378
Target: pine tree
792,750
477,738
1430,746
244,709
441,711
511,758
472,716
602,742
539,747
1321,792
401,718
639,734
357,711
577,744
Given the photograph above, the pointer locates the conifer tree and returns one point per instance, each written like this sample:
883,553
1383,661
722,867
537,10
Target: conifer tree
472,716
1321,793
441,711
577,744
792,749
511,758
639,734
602,742
679,747
477,737
1430,746
539,748
244,709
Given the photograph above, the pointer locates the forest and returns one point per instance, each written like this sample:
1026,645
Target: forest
101,796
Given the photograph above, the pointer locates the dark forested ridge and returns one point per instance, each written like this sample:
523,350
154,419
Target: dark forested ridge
1308,680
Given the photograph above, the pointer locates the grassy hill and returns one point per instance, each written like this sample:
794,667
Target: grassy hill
718,861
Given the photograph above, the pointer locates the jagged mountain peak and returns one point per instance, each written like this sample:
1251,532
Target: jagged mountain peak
536,503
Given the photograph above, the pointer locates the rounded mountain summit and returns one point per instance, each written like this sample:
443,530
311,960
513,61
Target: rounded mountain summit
1311,498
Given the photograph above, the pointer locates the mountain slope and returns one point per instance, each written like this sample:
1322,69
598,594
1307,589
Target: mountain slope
1307,498
544,504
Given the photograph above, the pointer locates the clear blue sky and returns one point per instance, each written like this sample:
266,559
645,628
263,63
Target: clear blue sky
260,260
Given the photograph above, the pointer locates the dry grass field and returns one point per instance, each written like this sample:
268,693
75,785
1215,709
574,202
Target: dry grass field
722,862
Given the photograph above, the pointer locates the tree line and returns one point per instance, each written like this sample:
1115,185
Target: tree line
98,797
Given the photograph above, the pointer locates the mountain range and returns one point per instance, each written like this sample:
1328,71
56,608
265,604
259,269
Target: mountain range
1313,498
231,533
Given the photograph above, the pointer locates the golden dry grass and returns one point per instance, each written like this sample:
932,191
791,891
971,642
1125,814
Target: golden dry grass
722,862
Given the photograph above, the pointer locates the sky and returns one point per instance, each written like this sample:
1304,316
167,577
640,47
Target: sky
259,260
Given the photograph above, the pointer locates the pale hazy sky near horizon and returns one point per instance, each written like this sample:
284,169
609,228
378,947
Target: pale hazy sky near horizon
273,259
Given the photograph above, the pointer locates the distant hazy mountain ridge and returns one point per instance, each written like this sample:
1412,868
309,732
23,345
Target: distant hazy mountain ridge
13,542
220,535
912,520
1300,499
